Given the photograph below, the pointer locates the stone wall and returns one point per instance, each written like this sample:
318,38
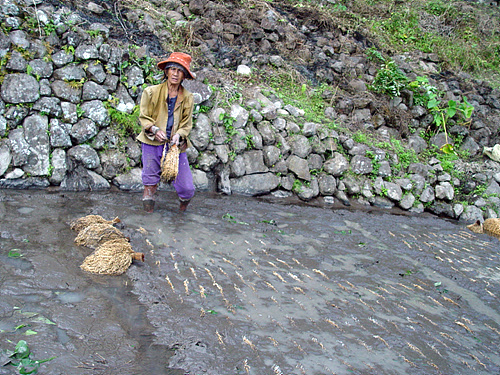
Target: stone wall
61,89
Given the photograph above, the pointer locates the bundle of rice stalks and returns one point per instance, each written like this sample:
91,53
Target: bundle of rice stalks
96,234
84,222
170,163
111,258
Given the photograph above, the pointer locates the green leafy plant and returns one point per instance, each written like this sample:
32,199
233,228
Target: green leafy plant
297,186
124,123
21,359
68,49
430,97
249,141
228,121
389,79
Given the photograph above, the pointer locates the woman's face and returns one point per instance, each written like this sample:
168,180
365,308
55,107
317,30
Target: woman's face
175,76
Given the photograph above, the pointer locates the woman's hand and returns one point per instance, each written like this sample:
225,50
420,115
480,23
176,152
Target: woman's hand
160,136
176,139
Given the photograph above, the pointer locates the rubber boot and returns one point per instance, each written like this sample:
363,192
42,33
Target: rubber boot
183,206
148,198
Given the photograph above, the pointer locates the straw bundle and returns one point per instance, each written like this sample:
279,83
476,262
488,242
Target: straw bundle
96,234
170,163
84,222
111,258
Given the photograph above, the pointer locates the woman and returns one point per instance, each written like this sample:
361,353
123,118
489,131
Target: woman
166,112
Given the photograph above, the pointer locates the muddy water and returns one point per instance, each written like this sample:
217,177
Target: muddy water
247,286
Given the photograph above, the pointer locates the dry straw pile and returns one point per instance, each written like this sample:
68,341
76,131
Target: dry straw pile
84,222
170,164
113,253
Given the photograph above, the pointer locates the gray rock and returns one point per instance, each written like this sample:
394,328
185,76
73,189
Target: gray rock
240,116
238,141
49,105
327,184
61,58
361,165
19,147
255,137
337,165
5,156
307,193
267,133
92,90
238,166
200,91
41,68
405,183
254,162
135,76
3,126
418,144
256,184
407,201
315,162
200,134
383,202
83,130
310,128
384,169
201,181
69,114
207,161
20,88
86,52
352,185
25,183
130,181
84,155
59,166
113,163
445,191
60,133
271,155
96,73
394,191
70,73
36,134
125,102
96,111
458,208
299,166
17,62
107,138
19,38
471,146
66,92
427,195
269,112
300,146
222,152
471,214
493,188
45,89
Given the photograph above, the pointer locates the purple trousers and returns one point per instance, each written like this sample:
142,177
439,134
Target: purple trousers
151,171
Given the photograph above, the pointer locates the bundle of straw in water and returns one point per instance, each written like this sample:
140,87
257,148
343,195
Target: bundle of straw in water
170,163
84,222
111,258
96,234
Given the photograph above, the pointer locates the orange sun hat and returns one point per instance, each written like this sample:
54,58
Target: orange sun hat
178,58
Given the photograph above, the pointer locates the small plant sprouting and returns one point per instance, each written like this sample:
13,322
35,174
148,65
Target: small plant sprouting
20,358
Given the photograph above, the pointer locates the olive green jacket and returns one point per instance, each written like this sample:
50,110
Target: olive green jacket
154,111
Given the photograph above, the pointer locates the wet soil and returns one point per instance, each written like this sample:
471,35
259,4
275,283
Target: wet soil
247,286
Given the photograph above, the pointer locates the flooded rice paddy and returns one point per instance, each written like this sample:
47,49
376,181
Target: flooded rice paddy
247,286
